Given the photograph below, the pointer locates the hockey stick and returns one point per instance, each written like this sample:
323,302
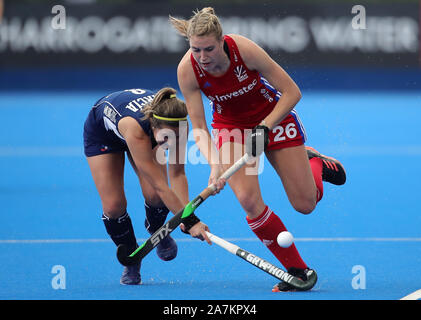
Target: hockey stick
262,264
126,259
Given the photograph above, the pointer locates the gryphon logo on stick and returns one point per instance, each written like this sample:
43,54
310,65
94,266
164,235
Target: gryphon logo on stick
268,267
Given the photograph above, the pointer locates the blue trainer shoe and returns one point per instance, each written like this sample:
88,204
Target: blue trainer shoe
167,249
131,275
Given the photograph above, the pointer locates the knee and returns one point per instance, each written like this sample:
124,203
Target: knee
114,208
154,201
249,202
304,206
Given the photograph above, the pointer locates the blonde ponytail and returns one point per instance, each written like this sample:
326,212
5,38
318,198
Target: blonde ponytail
202,23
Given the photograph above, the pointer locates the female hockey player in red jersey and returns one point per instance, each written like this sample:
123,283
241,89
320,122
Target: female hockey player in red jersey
250,92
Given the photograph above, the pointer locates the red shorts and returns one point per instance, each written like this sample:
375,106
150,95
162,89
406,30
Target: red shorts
288,133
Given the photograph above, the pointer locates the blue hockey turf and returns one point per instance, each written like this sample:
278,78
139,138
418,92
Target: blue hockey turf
363,239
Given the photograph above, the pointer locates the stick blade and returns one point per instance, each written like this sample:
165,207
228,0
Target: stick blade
298,284
124,258
308,284
311,280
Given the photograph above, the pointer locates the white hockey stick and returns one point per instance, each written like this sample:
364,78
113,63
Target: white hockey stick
266,266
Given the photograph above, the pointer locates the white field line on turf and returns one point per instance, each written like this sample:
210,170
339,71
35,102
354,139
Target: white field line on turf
339,150
338,239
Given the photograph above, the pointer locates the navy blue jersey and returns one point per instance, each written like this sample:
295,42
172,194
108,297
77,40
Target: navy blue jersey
101,133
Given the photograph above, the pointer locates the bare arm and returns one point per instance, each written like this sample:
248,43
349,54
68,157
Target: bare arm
141,151
176,172
257,59
193,98
139,145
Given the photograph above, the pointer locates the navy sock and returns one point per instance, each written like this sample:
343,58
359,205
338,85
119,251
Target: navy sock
155,217
121,230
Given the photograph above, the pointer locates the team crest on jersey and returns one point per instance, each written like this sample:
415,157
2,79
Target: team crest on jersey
240,73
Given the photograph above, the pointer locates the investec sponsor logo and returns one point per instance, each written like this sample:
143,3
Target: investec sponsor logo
268,267
234,94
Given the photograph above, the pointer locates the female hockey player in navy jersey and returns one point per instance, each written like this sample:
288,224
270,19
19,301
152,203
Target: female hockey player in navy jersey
140,123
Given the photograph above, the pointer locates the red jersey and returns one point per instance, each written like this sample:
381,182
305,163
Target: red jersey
241,98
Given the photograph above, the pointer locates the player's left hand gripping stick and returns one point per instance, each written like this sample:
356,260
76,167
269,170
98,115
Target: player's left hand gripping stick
135,257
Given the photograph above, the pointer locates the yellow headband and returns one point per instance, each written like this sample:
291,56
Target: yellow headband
169,119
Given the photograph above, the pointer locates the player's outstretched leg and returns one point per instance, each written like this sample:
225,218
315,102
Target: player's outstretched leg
267,226
333,170
155,218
